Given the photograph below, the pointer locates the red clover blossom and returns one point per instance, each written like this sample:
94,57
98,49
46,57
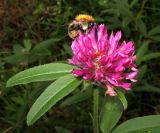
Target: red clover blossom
100,58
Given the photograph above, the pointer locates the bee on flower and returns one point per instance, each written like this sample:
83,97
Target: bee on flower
101,58
82,23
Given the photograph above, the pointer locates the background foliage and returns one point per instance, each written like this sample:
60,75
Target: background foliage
35,32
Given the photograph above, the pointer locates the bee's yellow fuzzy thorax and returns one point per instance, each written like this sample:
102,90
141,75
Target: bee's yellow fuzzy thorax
85,17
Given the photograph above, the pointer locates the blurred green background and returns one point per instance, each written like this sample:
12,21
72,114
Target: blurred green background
34,32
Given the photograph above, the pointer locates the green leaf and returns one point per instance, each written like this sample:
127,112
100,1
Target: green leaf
133,3
111,113
142,50
141,71
44,44
145,124
40,8
40,73
27,44
142,27
55,92
155,38
154,31
151,56
122,98
76,98
17,48
17,58
147,88
62,130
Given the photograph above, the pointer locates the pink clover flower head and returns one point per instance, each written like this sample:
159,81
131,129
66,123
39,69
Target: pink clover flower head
101,58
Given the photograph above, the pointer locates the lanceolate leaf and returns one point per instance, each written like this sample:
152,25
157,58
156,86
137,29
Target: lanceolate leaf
40,73
155,38
146,124
141,71
142,50
111,113
154,31
147,88
151,56
55,92
76,98
142,27
122,98
44,44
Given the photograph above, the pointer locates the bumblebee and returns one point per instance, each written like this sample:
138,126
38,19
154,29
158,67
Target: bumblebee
82,23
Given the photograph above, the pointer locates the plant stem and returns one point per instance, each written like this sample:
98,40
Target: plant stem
95,110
